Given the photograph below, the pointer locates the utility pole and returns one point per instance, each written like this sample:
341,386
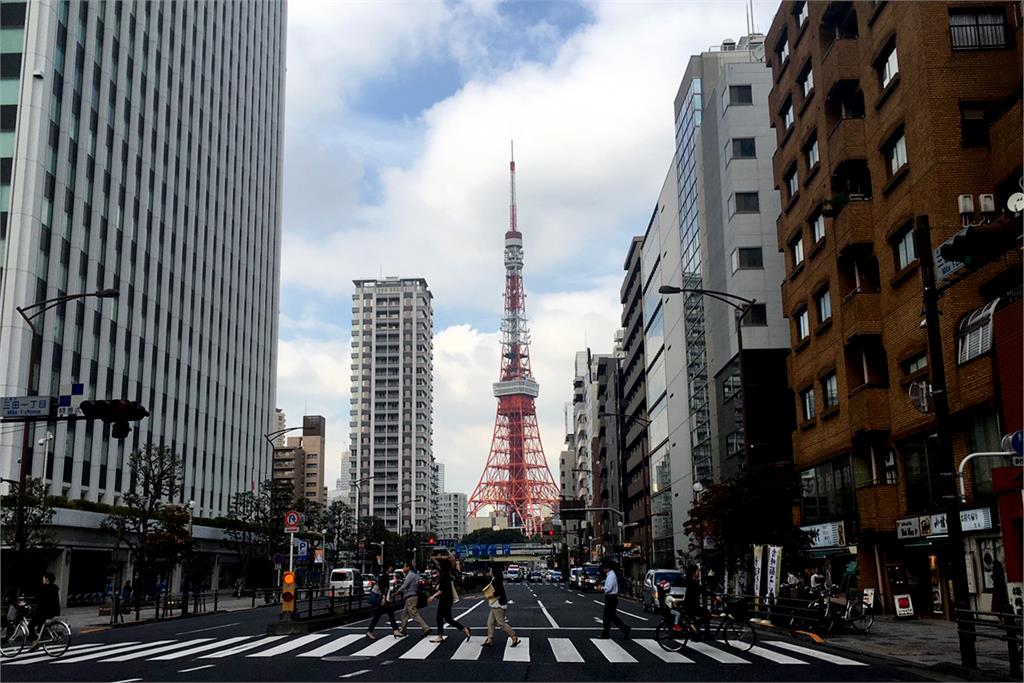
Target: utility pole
956,566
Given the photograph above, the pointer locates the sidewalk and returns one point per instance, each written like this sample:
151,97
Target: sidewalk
89,618
929,643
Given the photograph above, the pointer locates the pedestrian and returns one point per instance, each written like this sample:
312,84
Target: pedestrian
409,592
611,603
47,607
381,594
497,600
446,596
122,601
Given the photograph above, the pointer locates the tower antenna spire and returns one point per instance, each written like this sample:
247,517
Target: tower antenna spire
512,218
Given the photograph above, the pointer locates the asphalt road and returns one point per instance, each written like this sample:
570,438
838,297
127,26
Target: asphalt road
559,628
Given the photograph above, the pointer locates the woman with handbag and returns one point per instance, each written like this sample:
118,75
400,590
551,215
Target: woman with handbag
446,596
380,598
497,600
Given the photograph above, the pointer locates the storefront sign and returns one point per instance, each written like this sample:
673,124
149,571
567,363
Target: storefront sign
829,535
774,569
925,526
869,597
757,569
904,605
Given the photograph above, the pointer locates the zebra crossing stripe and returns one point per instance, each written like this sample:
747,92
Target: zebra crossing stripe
377,647
332,646
564,650
817,654
661,653
773,656
420,650
202,648
469,650
80,649
156,650
289,646
716,654
116,651
612,651
243,647
519,653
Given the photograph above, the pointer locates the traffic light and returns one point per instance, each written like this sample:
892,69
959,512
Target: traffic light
431,541
977,245
116,413
288,592
551,532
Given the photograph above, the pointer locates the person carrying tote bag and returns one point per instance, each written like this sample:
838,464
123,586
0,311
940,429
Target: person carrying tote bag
497,600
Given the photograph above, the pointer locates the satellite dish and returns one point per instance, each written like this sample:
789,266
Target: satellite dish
920,393
1016,202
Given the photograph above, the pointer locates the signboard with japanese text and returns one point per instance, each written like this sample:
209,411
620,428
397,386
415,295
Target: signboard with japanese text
24,406
829,535
774,568
926,526
904,605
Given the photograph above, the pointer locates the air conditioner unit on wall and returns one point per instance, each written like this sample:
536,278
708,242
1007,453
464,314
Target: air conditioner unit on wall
987,202
966,203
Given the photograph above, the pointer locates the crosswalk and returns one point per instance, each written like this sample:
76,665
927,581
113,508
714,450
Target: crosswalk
577,649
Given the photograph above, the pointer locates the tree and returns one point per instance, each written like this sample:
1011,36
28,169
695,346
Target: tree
155,532
339,521
244,531
38,515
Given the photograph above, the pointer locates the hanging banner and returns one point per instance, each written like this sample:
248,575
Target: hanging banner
318,556
757,570
774,569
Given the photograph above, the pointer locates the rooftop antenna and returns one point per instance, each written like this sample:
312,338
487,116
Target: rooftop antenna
753,22
512,222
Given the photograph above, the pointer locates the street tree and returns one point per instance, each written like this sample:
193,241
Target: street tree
245,533
339,521
38,515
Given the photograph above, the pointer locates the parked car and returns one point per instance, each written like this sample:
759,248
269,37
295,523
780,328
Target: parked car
554,576
536,576
649,598
574,576
591,579
346,581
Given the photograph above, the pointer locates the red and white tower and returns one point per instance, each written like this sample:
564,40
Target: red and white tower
516,480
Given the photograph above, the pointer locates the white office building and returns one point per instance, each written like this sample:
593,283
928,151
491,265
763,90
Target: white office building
140,150
452,515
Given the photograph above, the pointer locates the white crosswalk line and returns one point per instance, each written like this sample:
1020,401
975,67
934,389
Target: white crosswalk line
420,650
141,654
661,653
243,647
90,647
612,651
564,650
333,646
817,654
202,648
289,646
377,647
770,655
716,654
519,653
622,611
469,650
115,651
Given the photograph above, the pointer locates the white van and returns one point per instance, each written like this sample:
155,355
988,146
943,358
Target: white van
346,581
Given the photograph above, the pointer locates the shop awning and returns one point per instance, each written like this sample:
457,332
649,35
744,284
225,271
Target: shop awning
819,553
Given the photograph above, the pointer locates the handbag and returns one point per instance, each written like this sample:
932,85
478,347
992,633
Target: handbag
489,591
373,600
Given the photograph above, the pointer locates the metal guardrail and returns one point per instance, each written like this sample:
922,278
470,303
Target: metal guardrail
997,626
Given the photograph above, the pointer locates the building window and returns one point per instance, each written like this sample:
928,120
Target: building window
741,94
792,182
787,115
803,324
811,157
818,228
796,250
757,316
744,202
807,402
744,148
975,335
824,301
903,248
802,12
915,363
807,82
747,258
783,51
888,67
974,126
895,152
978,29
830,390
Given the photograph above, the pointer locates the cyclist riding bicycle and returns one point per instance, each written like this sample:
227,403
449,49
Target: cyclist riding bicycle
668,605
47,607
692,606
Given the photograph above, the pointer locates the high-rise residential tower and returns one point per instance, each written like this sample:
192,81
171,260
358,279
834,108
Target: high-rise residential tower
391,455
140,150
452,515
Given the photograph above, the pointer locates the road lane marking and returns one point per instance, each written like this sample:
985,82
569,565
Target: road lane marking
519,653
196,668
770,655
469,650
333,646
612,651
581,595
658,651
551,620
716,654
211,628
77,648
115,651
568,602
564,650
622,611
459,618
289,646
128,680
202,648
817,654
355,673
377,647
155,650
420,650
242,648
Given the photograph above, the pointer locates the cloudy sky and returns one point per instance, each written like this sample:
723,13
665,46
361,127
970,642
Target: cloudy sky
398,122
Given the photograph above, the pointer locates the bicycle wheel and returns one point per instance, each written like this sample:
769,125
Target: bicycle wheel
739,634
668,639
57,638
861,618
12,647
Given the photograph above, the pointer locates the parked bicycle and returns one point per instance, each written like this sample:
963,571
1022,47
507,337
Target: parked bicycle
728,625
54,637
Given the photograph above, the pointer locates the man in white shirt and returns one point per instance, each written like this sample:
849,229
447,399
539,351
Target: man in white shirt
611,602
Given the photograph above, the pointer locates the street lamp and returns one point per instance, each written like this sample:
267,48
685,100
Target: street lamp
29,313
743,307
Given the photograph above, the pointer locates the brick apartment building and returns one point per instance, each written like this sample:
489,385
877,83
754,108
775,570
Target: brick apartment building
886,111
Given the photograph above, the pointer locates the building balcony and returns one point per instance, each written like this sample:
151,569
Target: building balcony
869,409
878,507
846,140
862,314
854,224
840,61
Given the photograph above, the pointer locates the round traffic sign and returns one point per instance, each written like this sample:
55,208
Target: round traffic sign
292,518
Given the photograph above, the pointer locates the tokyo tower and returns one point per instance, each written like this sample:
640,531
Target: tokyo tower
516,481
